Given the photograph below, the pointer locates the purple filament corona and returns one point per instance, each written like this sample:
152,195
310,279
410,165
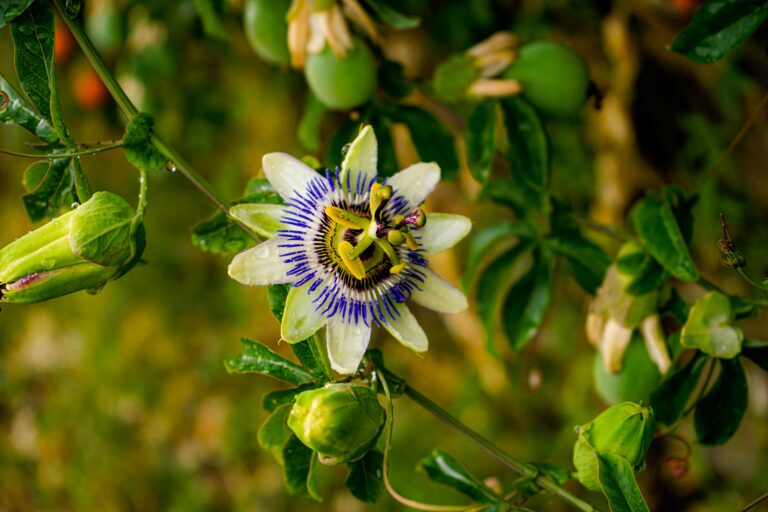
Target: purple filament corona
306,245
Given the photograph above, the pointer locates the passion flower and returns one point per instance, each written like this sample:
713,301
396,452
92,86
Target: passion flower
353,248
341,422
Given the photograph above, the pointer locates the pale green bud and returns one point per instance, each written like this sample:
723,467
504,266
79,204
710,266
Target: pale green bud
341,421
82,249
624,429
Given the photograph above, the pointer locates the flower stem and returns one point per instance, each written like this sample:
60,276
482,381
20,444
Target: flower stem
491,449
130,111
494,451
84,152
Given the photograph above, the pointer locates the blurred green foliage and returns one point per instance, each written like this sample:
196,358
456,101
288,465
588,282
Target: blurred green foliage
120,401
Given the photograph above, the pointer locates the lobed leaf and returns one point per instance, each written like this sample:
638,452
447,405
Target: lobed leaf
442,468
718,27
258,358
670,398
719,412
527,303
366,477
661,235
529,148
618,484
481,137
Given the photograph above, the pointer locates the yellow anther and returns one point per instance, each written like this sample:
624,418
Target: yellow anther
346,219
396,269
353,264
395,237
398,219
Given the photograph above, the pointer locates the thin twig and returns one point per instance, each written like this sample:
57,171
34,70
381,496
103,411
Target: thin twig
55,156
755,502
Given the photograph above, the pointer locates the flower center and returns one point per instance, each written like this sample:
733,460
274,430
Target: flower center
375,230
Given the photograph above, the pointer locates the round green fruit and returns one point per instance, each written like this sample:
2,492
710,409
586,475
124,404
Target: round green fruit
342,83
555,80
267,29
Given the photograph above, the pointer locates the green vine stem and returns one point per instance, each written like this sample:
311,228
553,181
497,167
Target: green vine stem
491,449
84,152
130,111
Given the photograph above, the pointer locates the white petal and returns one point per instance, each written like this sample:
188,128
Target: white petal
406,329
300,320
264,219
361,159
287,173
346,344
442,231
439,295
261,265
416,182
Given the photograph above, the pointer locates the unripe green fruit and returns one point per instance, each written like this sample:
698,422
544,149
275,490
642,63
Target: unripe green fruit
267,29
555,80
340,421
342,83
625,430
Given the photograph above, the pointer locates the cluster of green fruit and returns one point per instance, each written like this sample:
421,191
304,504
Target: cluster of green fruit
554,79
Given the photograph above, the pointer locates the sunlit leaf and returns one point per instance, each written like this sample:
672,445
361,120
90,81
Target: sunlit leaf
442,468
709,327
618,483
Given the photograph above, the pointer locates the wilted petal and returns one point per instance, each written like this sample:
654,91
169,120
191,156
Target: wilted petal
416,182
261,265
439,295
346,344
442,231
287,173
615,340
360,161
264,219
300,319
406,329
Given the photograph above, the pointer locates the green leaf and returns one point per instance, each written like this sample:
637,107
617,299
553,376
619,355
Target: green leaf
669,400
433,141
719,413
297,462
274,432
313,356
491,285
718,27
15,109
33,38
366,478
484,240
309,126
757,352
100,230
10,9
660,234
442,468
647,274
312,488
481,139
618,483
588,261
528,145
383,13
637,379
137,145
527,303
272,400
212,25
259,358
219,235
709,328
276,296
50,188
676,307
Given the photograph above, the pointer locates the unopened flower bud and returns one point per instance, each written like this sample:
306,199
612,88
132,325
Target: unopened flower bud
340,421
625,430
82,249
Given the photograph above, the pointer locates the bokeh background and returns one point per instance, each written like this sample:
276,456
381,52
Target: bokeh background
120,400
